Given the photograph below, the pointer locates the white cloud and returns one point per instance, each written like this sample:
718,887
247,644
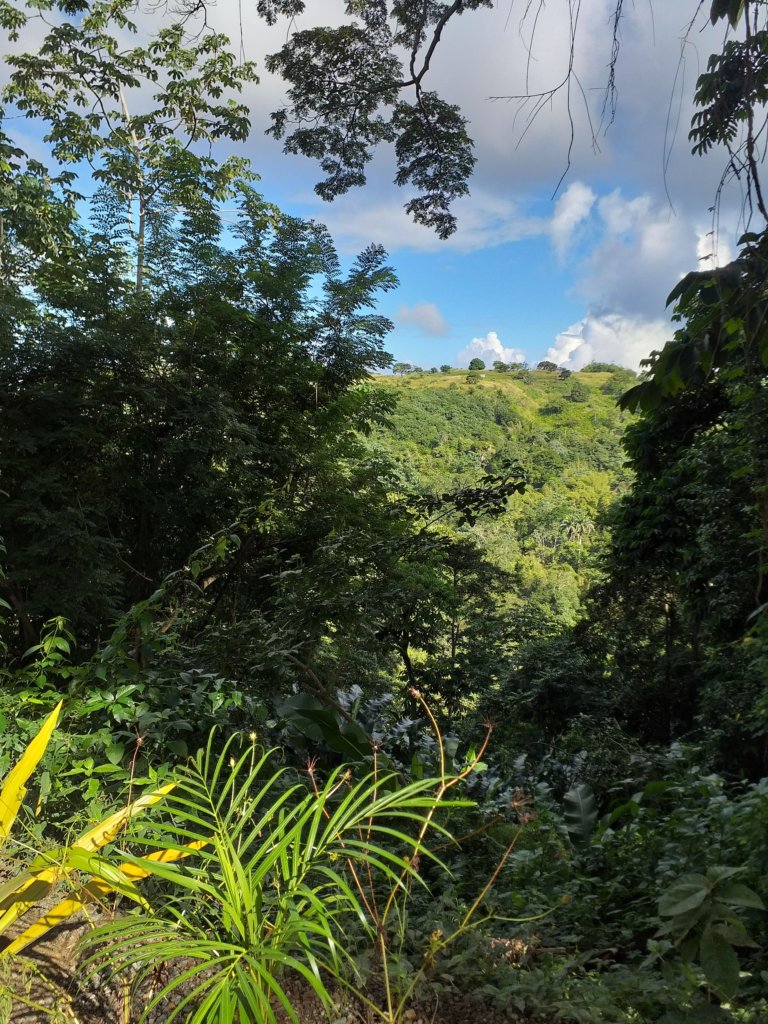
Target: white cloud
484,221
712,251
641,251
609,338
624,216
572,208
489,349
424,315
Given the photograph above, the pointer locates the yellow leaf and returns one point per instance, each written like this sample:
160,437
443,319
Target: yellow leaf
14,786
106,830
22,893
30,891
134,871
93,892
59,913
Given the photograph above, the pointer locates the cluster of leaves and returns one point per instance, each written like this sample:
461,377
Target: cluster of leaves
249,910
646,867
345,89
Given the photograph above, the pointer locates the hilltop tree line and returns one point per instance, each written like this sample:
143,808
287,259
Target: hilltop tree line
501,367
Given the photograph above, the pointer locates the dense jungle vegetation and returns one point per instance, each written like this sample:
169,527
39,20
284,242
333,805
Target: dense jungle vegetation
414,689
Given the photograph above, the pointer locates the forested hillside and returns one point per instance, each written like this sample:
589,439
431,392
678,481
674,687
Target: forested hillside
628,581
564,430
332,694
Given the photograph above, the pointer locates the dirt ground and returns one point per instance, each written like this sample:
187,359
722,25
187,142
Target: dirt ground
48,989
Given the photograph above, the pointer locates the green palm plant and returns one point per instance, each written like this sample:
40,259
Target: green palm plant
282,868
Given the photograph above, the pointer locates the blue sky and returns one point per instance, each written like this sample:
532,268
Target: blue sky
577,276
580,276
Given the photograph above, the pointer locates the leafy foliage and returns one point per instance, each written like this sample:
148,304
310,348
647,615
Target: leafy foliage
187,390
702,919
278,877
344,89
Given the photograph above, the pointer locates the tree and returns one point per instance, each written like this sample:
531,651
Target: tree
149,156
344,91
433,601
446,368
157,380
595,367
402,368
501,367
682,581
136,424
578,393
621,380
476,364
545,364
690,538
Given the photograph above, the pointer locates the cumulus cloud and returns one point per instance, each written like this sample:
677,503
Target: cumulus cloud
641,251
572,208
622,216
489,349
636,251
426,316
609,338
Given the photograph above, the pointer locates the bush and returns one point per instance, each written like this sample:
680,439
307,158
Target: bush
290,877
578,393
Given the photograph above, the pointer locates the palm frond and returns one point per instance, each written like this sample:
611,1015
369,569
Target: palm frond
273,885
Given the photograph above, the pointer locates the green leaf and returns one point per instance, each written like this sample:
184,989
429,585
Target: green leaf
115,753
738,895
580,812
631,808
734,933
720,871
656,788
720,964
684,895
